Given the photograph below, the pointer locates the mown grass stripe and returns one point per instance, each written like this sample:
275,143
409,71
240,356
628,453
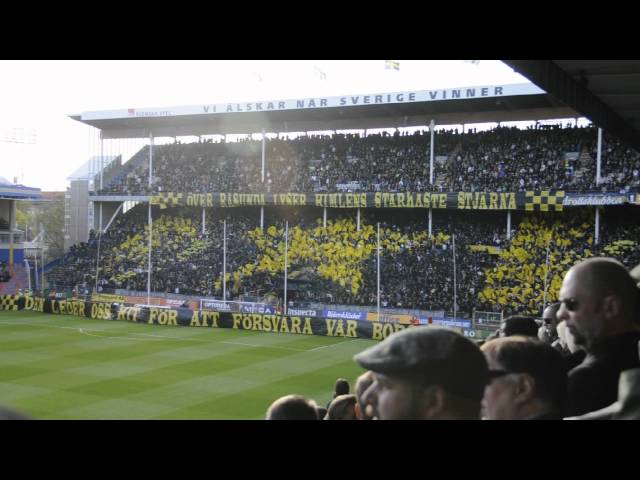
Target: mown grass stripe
53,370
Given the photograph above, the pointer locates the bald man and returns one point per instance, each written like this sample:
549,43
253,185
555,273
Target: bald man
548,332
599,303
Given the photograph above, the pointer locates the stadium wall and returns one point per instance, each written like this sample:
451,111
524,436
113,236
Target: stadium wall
301,325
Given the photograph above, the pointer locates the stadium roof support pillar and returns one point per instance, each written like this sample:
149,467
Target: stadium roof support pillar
12,217
28,269
150,220
101,161
358,222
508,224
286,262
263,163
430,220
263,158
263,168
98,253
378,275
42,264
224,260
150,159
324,218
596,234
455,282
101,178
432,130
599,157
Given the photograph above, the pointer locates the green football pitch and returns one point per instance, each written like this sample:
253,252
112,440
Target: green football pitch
63,367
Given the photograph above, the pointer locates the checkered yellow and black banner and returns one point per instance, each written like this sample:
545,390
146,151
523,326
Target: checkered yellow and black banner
544,201
165,200
10,302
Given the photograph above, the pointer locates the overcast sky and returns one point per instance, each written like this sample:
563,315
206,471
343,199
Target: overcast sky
36,97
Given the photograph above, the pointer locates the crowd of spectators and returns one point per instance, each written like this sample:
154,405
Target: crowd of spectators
501,159
583,364
620,165
520,281
337,264
5,274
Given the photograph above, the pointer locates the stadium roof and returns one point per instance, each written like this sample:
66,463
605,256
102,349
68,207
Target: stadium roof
18,192
450,106
91,167
605,91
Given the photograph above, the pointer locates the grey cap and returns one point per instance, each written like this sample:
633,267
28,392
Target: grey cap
433,356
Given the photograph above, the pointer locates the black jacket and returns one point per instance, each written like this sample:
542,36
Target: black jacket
572,360
594,383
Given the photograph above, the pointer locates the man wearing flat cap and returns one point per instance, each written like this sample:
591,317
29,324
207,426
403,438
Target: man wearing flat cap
425,373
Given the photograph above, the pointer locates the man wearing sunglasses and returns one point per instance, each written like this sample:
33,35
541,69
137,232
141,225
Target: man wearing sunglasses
600,305
548,332
528,380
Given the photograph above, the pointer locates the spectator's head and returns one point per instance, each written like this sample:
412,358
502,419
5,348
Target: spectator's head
598,299
343,407
549,316
322,412
528,379
425,373
363,382
519,325
548,331
293,407
342,387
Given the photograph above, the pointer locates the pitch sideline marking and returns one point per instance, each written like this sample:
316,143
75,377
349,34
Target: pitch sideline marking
334,344
161,337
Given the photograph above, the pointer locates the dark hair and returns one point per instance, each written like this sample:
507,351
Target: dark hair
342,387
322,412
520,325
520,354
292,407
